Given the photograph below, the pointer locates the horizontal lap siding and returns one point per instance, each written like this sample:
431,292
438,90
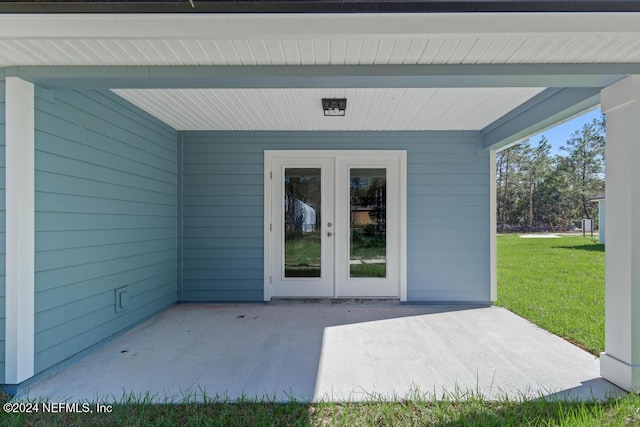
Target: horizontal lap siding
222,218
2,226
106,217
448,221
447,218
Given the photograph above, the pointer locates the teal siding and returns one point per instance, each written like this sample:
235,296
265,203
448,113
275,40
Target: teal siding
447,219
2,226
106,217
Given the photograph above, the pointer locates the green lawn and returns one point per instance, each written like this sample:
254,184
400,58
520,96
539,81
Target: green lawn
557,284
462,410
303,256
370,270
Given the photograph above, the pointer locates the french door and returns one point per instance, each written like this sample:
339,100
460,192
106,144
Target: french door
335,224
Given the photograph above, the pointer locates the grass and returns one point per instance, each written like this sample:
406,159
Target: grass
303,257
557,284
361,251
457,410
303,254
368,270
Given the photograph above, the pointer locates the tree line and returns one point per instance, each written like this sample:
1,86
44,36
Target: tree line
540,191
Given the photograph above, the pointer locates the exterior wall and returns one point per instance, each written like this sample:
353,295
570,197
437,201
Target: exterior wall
448,210
2,226
106,217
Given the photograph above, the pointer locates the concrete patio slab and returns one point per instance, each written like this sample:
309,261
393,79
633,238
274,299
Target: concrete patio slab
325,351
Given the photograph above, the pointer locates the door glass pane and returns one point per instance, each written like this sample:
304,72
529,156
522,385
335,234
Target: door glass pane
368,243
302,240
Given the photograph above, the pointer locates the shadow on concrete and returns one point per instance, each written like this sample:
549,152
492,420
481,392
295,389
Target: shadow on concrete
325,351
596,388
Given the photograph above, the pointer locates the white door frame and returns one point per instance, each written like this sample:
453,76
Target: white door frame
303,287
399,155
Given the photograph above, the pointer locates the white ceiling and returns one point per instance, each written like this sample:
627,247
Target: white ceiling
301,109
321,39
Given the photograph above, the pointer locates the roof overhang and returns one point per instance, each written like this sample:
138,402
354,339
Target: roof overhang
326,25
542,67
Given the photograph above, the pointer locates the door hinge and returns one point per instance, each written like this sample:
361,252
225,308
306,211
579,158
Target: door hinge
270,174
270,227
270,279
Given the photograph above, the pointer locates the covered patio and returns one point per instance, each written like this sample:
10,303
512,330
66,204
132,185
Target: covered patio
340,351
135,153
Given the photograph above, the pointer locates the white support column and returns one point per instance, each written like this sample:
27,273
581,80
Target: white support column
493,206
20,235
620,363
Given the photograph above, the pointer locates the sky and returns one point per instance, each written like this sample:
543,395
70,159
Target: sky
559,135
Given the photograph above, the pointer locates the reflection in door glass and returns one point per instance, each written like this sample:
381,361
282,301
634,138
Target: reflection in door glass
302,240
368,245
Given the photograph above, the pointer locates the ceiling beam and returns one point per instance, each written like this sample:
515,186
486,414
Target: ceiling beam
541,112
328,76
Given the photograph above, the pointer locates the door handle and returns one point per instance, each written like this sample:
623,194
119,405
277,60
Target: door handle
329,234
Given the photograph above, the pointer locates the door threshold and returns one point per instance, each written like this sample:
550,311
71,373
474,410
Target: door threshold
335,301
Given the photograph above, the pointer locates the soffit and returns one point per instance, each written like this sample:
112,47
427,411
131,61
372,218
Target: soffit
459,49
322,39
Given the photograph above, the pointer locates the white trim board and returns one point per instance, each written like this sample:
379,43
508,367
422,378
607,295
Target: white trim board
493,223
20,231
